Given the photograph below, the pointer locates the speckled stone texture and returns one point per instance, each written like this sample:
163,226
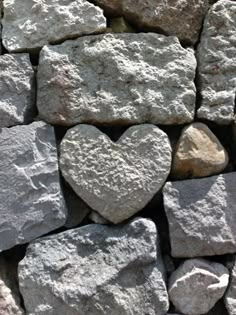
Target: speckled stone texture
196,286
117,79
230,296
31,202
202,215
96,270
17,90
216,56
31,24
117,179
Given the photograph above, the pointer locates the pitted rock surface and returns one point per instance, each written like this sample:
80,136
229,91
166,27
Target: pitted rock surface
30,194
96,270
230,296
196,286
202,215
163,16
115,179
217,63
17,90
10,303
31,24
198,153
117,79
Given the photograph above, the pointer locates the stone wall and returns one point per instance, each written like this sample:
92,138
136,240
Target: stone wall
117,157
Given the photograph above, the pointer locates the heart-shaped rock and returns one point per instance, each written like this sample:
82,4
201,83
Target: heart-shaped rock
116,179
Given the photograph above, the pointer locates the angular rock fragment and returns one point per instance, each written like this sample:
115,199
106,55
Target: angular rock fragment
31,203
17,90
163,16
202,215
117,79
196,286
230,297
31,24
95,270
9,293
217,63
115,179
198,153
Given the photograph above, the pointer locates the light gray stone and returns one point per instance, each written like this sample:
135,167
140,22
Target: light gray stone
196,286
117,79
31,24
217,63
166,16
230,296
198,153
95,270
31,203
9,293
201,215
115,179
17,90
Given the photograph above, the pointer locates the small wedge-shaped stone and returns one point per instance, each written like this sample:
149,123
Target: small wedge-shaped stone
202,215
217,63
17,90
95,270
230,296
10,302
198,153
117,79
31,24
31,202
196,286
116,179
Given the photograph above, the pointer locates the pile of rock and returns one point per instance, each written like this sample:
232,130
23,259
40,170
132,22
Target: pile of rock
116,124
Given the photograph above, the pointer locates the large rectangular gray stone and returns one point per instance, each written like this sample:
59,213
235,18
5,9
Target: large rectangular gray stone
31,201
202,215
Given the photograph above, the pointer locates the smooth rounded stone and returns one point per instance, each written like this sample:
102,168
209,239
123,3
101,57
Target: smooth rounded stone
31,24
17,90
31,202
198,153
117,179
118,79
97,218
96,270
10,302
216,56
230,296
120,25
196,286
201,215
77,209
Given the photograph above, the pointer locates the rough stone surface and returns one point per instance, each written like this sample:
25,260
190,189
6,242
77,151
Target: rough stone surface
230,297
217,63
115,179
196,286
31,200
95,270
198,153
202,215
9,293
117,79
163,16
17,90
31,24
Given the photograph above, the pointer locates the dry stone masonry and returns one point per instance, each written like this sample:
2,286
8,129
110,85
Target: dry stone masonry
117,157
